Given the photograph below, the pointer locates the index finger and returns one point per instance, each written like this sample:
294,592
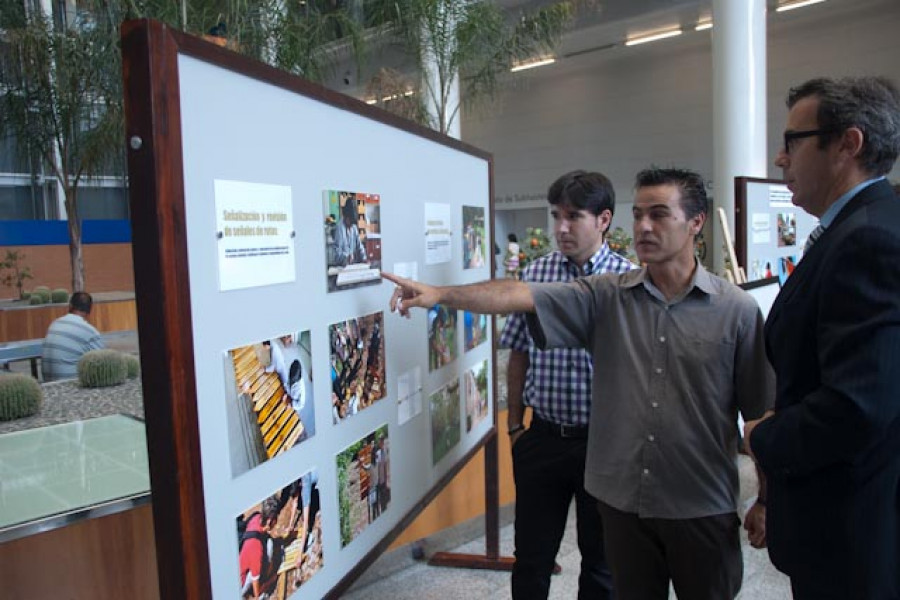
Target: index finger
394,278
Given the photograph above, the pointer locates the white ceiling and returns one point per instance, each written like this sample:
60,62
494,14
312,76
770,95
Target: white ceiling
604,24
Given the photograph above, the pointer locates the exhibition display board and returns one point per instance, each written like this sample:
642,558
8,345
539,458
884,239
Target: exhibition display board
294,424
769,230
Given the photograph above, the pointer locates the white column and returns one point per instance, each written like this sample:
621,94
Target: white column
46,7
739,104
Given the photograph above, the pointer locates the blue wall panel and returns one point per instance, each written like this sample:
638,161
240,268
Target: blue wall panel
53,233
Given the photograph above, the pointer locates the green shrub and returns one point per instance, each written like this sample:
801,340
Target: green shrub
41,291
35,299
26,295
20,396
102,368
59,296
133,365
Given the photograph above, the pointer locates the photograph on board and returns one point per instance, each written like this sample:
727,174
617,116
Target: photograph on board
787,229
475,328
269,399
352,239
476,385
786,266
280,541
445,432
364,483
441,336
473,237
357,365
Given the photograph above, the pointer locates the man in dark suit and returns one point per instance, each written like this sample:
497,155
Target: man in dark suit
831,448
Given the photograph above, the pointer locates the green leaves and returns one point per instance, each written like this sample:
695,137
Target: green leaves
474,40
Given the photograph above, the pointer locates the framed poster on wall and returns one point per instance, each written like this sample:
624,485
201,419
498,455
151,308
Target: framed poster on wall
287,410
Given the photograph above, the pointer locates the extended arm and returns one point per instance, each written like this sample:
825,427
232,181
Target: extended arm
489,297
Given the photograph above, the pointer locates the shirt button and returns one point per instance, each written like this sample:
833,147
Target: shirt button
654,404
662,339
658,371
646,471
651,438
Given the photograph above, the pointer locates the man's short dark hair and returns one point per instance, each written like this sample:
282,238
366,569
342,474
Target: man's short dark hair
349,210
269,512
81,301
584,190
295,372
693,189
871,104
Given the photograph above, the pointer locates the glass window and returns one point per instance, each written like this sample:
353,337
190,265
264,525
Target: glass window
102,202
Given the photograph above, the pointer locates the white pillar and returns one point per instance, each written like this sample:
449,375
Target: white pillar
739,104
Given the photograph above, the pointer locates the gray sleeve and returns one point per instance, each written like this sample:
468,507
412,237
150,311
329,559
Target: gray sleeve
564,314
754,379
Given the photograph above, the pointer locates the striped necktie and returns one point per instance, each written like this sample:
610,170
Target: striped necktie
812,238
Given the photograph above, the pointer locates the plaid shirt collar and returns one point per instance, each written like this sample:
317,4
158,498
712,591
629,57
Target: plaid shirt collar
593,265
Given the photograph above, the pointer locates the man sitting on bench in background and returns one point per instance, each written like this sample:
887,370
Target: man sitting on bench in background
68,339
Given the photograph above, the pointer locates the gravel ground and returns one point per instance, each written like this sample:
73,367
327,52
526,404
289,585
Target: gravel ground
66,401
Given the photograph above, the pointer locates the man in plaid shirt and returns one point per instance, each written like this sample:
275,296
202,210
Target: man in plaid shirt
549,457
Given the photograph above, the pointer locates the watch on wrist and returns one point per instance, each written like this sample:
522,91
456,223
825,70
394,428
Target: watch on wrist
515,429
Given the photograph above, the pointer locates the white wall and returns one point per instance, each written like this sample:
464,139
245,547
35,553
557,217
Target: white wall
621,110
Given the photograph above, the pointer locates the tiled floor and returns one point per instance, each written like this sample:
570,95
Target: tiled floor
63,468
396,576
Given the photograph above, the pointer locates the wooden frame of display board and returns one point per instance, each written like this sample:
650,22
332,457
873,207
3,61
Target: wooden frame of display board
769,230
237,174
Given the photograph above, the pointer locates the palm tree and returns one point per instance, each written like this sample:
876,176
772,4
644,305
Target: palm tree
60,95
473,40
61,82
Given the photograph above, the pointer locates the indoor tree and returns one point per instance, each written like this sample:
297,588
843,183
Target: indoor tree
60,96
61,75
473,40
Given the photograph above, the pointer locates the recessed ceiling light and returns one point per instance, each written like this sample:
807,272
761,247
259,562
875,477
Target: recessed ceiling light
652,37
797,4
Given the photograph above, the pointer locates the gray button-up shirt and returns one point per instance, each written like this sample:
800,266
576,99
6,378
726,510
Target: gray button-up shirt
669,379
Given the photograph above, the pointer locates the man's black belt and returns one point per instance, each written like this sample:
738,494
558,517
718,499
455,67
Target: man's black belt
558,430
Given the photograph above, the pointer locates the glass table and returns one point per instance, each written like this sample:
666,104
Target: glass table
56,475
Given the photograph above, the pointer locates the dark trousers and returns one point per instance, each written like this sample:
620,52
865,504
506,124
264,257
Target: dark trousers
549,472
702,557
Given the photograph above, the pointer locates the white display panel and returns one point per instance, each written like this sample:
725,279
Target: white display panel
258,136
774,230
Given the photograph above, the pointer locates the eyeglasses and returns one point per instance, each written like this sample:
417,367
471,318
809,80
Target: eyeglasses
790,136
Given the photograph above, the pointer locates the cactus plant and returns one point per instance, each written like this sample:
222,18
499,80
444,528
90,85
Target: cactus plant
20,396
35,299
102,368
42,292
133,365
59,296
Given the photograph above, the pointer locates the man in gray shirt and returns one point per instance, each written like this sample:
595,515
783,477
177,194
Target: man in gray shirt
68,339
677,352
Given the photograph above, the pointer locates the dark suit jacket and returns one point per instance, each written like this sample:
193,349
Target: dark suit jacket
831,453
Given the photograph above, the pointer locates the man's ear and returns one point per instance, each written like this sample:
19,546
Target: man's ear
851,141
696,223
605,217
